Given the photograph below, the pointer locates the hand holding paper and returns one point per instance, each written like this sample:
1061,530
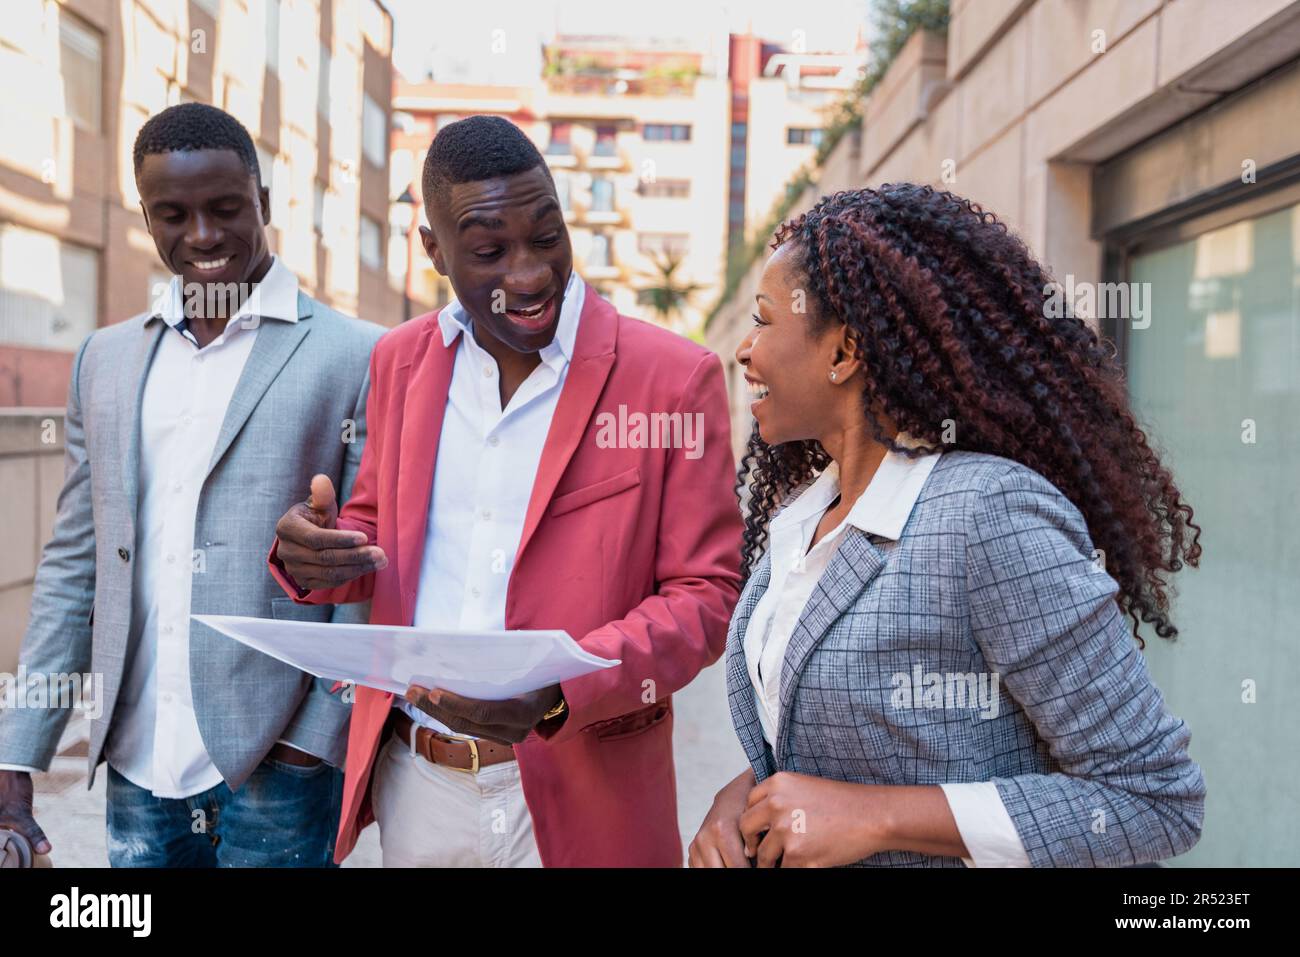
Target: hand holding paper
507,721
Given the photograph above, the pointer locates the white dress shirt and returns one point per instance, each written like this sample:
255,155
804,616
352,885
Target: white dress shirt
483,477
882,509
154,739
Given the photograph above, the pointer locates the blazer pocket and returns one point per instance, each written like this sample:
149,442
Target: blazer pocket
638,722
595,492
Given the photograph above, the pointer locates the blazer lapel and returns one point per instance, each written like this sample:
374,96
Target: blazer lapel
130,394
740,691
276,342
593,357
422,414
856,562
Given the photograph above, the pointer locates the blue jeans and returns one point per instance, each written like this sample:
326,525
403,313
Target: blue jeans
283,816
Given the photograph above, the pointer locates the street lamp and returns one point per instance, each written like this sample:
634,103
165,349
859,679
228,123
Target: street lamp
405,218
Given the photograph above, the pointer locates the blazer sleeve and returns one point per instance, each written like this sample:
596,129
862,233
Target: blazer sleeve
1045,616
58,637
359,511
670,636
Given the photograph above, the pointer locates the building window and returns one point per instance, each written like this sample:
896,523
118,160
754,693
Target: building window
49,290
606,141
374,131
665,188
803,136
323,84
265,164
273,36
318,208
655,244
598,255
371,246
676,132
602,195
81,66
560,143
1213,354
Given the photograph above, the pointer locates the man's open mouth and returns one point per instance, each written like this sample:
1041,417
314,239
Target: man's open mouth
535,317
211,265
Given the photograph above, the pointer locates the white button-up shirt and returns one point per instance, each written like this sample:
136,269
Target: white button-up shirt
483,477
154,739
882,509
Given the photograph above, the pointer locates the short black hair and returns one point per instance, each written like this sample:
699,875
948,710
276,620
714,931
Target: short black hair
476,148
195,126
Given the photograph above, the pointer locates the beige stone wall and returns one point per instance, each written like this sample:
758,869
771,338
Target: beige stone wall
31,474
1021,100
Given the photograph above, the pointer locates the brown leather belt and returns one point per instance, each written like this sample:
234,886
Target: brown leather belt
459,754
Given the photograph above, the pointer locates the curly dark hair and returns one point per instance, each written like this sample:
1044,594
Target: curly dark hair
195,126
948,311
476,148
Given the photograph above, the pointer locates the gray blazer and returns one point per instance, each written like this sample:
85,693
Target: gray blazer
285,422
992,577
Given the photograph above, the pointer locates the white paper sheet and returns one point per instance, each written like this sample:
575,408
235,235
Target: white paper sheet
490,665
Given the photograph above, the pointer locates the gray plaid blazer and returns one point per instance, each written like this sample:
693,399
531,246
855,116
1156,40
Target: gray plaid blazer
993,575
285,422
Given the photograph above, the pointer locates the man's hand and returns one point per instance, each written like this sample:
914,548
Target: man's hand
719,842
314,552
507,722
798,820
16,809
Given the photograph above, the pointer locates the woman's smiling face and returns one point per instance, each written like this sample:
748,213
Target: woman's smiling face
788,355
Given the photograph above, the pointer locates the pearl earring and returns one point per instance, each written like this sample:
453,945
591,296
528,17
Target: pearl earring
832,376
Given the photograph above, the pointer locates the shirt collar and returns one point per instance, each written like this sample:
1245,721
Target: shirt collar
884,506
453,320
275,297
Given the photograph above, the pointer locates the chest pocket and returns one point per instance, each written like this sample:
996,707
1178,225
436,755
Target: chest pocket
595,492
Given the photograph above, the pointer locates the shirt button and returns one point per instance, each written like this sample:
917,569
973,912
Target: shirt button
493,441
188,420
176,486
487,372
167,699
475,592
167,629
487,515
123,554
171,559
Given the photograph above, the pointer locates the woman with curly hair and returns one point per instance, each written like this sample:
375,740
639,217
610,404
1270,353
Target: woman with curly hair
951,514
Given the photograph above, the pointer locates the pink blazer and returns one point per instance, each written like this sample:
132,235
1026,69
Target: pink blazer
632,550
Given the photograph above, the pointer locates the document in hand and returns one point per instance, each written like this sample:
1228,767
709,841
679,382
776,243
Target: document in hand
489,665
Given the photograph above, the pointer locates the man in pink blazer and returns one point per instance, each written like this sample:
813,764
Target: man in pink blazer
535,460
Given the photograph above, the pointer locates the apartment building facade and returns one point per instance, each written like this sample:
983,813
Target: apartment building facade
310,79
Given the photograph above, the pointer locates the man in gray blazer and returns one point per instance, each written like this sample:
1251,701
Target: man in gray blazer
185,429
